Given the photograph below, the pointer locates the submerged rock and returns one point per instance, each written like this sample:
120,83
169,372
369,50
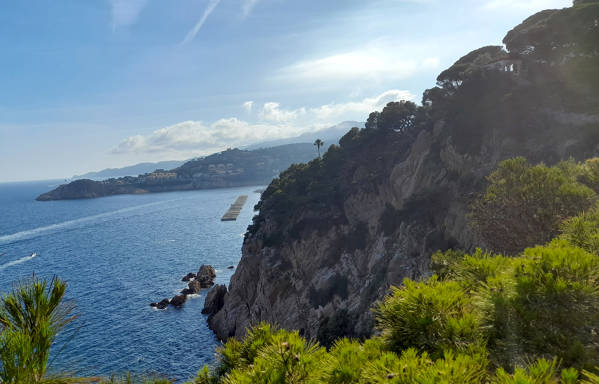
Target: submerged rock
215,299
206,276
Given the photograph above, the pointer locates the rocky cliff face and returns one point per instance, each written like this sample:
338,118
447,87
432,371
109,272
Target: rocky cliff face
331,237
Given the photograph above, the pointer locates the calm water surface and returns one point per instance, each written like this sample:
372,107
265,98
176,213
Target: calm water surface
118,254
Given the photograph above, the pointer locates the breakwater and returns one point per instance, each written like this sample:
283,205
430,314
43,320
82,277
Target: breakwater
235,209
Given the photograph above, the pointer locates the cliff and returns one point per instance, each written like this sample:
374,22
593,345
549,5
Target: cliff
231,168
331,236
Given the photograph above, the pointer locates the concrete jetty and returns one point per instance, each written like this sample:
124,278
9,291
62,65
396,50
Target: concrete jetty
235,209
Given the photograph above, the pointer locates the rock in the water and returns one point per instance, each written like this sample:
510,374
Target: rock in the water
161,305
206,276
188,277
231,267
215,299
186,291
178,300
194,287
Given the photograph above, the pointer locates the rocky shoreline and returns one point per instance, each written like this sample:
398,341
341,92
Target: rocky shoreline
203,279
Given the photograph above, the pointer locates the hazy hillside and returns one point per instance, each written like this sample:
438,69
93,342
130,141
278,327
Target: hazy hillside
131,170
230,168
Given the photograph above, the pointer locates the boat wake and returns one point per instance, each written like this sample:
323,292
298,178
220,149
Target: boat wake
59,227
18,261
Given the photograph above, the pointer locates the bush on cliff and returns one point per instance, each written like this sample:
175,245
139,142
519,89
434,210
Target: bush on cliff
430,316
525,204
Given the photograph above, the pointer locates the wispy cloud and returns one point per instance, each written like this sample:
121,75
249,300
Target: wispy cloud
248,106
126,12
193,138
247,6
372,62
212,4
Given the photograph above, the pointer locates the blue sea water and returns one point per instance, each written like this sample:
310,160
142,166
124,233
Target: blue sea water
118,254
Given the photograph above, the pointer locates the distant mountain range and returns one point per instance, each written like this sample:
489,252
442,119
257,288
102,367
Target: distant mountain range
328,135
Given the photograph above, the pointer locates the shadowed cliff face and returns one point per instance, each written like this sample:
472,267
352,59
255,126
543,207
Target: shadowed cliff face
333,235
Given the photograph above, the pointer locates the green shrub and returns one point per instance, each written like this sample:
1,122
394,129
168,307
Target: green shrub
31,316
583,230
287,359
431,316
556,302
412,367
348,359
524,205
541,372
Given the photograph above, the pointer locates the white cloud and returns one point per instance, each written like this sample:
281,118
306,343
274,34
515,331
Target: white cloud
333,112
126,12
193,138
197,137
272,112
248,6
196,28
375,61
248,105
337,111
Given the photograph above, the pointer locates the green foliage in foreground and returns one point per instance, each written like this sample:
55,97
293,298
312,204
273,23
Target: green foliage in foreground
31,316
483,318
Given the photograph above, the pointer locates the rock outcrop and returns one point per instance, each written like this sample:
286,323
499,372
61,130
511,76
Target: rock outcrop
205,276
215,299
193,288
190,276
333,236
178,300
161,305
203,279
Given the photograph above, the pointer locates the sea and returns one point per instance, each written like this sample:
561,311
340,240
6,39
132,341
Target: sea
118,254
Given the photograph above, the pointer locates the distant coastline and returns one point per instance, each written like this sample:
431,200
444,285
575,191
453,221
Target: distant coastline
227,169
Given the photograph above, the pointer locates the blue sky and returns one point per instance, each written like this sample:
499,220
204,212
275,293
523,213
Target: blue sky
92,84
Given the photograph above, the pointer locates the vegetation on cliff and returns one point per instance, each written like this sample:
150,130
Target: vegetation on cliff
524,204
322,184
481,318
332,235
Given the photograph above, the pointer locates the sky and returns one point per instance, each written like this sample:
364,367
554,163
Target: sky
87,85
